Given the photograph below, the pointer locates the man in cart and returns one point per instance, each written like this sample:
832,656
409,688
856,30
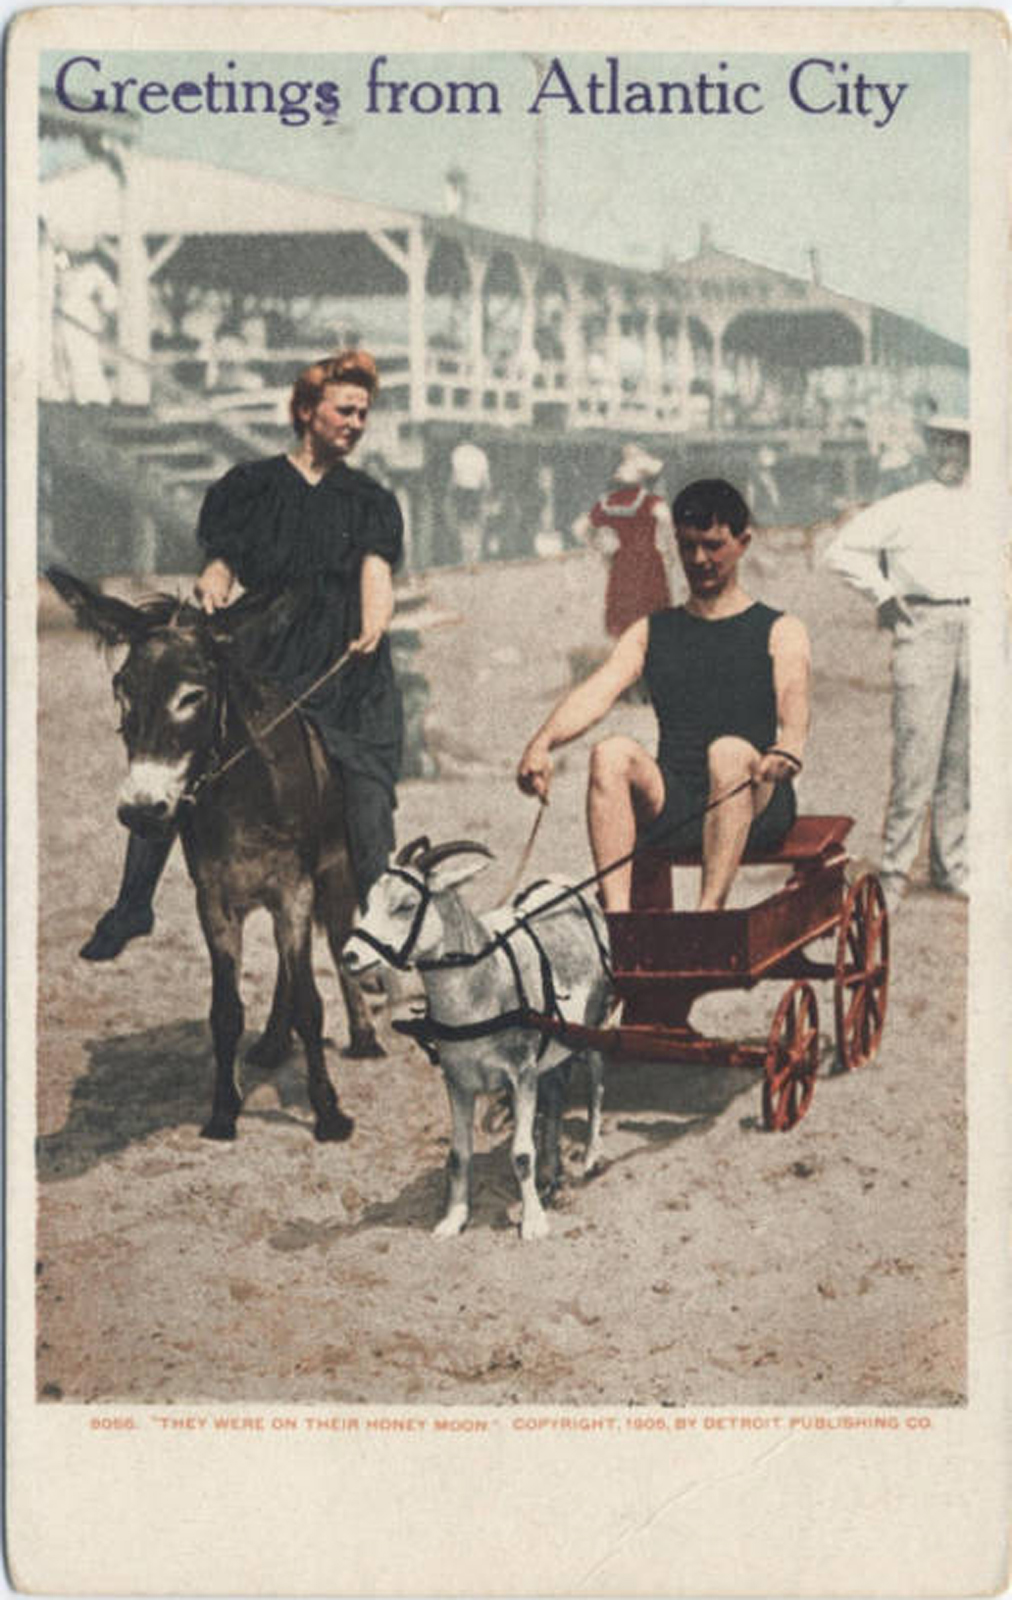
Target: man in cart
729,681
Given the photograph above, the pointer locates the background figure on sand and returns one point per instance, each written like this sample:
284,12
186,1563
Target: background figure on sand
909,554
729,680
470,500
321,539
631,525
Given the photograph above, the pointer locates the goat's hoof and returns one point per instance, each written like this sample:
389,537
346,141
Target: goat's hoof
534,1226
221,1128
333,1128
363,1047
451,1227
269,1051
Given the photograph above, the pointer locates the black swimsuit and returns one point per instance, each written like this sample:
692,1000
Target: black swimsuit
707,680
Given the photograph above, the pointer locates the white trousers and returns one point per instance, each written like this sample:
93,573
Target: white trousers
931,744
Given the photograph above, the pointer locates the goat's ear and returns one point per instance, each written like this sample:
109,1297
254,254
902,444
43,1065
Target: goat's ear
448,865
113,621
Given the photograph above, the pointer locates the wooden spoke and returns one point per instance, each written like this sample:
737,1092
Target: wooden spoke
861,984
792,1058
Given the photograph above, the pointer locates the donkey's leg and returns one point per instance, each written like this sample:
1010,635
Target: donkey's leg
294,925
533,1222
458,1163
335,901
224,938
275,1042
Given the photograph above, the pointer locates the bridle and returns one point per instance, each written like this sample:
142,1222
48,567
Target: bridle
212,774
429,1031
401,958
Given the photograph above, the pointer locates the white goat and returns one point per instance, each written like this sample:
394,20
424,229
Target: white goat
479,975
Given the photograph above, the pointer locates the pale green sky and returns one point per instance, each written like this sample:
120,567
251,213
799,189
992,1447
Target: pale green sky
886,206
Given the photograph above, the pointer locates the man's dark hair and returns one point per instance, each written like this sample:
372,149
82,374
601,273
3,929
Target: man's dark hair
710,501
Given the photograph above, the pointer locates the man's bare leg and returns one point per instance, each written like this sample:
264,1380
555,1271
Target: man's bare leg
725,829
625,785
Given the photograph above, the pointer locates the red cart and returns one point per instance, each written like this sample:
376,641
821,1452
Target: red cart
664,960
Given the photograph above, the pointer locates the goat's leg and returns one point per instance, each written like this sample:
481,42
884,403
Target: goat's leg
533,1222
458,1163
295,938
335,893
224,938
551,1095
595,1105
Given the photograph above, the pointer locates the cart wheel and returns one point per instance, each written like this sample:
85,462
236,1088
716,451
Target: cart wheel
792,1058
861,985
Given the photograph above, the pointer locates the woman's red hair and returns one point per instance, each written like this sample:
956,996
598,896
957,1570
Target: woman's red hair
347,366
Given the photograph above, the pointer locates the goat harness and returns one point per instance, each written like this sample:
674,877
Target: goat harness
429,1031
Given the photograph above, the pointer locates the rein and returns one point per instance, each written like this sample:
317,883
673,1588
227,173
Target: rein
427,1030
613,866
189,796
464,958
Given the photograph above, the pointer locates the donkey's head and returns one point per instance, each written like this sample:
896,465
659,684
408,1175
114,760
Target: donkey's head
168,690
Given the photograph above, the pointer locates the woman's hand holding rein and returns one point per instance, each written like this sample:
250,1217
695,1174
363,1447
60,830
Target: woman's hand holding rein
214,586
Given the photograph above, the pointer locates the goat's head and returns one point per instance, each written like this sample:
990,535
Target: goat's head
402,923
168,691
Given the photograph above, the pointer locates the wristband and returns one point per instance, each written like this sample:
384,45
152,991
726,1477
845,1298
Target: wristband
775,750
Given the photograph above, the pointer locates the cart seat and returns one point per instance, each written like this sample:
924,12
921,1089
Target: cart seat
808,839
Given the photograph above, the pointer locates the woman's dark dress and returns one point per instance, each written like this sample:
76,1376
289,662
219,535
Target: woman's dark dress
281,535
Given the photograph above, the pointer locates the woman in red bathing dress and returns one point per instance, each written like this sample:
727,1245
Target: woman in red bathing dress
627,523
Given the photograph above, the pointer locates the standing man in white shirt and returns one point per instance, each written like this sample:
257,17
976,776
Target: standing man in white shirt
908,553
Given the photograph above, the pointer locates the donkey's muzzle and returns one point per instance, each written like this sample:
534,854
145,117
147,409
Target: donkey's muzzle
152,821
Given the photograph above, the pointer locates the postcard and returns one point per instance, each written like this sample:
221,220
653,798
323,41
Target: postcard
508,850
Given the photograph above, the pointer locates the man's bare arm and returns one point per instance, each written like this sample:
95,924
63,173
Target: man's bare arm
582,707
792,671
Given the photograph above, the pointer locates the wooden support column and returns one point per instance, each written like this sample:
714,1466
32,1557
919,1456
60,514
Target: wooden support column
653,375
716,382
133,332
527,358
416,267
612,348
47,329
476,268
574,356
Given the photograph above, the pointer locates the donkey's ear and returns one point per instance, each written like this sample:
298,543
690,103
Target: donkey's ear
114,621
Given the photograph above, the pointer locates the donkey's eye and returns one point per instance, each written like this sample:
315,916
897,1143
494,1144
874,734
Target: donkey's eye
187,699
123,704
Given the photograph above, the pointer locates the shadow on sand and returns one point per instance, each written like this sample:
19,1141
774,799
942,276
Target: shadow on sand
158,1079
675,1103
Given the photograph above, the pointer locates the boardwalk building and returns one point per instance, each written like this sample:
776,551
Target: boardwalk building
219,285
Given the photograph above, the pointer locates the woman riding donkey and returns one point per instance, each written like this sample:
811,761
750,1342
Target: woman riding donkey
319,541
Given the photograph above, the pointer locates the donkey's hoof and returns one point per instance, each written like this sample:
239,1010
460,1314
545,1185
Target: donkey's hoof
269,1051
219,1128
333,1128
363,1047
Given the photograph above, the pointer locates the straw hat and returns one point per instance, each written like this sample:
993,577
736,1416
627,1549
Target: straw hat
635,466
